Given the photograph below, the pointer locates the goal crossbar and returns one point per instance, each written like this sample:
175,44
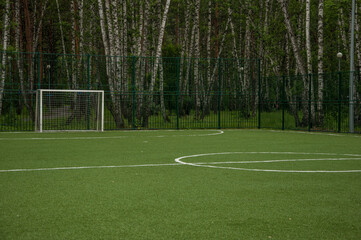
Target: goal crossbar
69,110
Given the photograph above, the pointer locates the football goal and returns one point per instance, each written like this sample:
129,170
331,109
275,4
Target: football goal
69,110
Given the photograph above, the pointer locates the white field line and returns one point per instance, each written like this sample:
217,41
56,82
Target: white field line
88,167
318,133
286,160
179,160
114,137
203,164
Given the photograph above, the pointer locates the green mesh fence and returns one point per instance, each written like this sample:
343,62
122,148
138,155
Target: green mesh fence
180,93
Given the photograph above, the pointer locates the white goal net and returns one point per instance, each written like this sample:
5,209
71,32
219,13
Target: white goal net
67,110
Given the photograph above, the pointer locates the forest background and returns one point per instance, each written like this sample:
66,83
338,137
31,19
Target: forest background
290,37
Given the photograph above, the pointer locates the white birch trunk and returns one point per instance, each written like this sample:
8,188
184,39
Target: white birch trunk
63,42
140,37
161,90
214,74
235,55
161,74
157,58
196,60
341,24
320,62
159,46
19,59
73,56
296,52
3,55
308,40
209,31
117,59
117,112
309,57
240,37
125,47
289,85
357,36
35,38
247,52
299,62
143,48
184,51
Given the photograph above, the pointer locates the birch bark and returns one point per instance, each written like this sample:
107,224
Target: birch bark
196,60
183,77
3,55
320,62
159,48
63,42
341,25
207,99
143,48
116,110
309,58
161,73
299,62
125,47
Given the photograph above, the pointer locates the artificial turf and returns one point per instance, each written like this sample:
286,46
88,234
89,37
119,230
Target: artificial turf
143,199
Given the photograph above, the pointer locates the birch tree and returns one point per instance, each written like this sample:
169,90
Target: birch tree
158,52
6,32
109,50
63,41
320,62
296,51
184,51
142,51
297,55
309,58
207,99
196,60
308,39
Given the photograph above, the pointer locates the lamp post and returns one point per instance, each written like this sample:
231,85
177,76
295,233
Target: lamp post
351,82
339,56
49,80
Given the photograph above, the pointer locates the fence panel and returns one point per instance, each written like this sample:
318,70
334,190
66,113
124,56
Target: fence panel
179,93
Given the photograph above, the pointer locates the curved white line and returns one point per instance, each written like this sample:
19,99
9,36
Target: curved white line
178,160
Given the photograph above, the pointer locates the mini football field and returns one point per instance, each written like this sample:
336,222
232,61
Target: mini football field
180,184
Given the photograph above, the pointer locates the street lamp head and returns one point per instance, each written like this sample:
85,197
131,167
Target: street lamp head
339,55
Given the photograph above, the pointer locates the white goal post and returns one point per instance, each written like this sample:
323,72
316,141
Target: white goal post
69,110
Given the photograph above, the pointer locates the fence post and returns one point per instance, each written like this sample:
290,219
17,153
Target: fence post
309,101
219,92
88,83
259,92
88,70
283,101
339,102
133,100
178,92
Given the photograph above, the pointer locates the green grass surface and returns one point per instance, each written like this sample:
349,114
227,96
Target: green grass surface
209,201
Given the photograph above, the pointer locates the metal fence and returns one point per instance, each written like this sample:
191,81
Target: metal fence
180,93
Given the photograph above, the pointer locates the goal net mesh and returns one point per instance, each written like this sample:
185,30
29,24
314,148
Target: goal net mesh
66,110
